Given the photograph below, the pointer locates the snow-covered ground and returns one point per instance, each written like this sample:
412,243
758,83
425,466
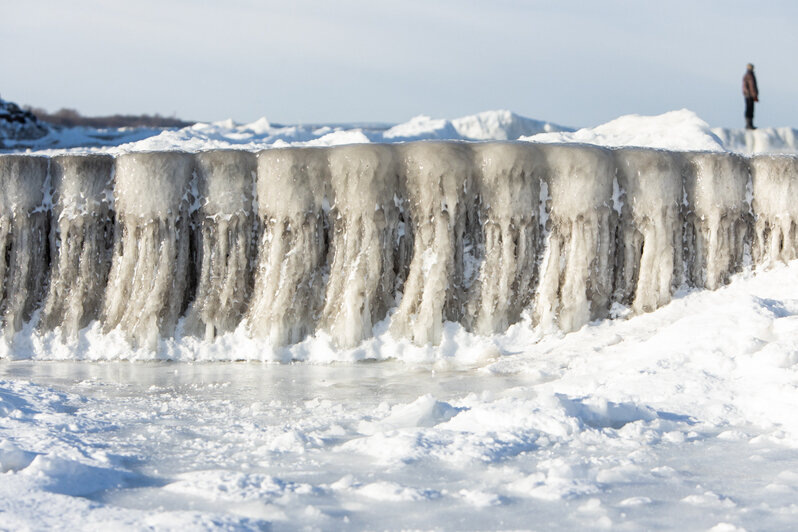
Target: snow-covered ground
679,419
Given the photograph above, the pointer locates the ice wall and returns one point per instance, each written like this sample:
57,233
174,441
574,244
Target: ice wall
23,238
292,193
291,242
147,285
81,237
224,231
649,257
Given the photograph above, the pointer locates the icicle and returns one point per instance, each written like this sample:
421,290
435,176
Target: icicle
577,270
289,281
775,205
718,217
23,238
224,228
507,181
365,228
82,234
438,180
148,279
650,258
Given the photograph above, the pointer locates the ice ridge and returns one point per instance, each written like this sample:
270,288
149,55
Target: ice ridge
291,242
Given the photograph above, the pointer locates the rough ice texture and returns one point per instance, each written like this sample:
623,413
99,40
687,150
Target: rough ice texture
507,183
147,286
290,278
577,268
438,182
23,238
649,259
299,241
81,235
718,216
224,232
775,191
365,225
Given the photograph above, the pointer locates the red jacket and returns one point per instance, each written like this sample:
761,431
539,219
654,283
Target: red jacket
749,85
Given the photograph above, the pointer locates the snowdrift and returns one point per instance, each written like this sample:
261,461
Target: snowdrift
292,242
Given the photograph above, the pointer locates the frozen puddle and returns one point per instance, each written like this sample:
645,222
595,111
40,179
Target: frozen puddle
374,445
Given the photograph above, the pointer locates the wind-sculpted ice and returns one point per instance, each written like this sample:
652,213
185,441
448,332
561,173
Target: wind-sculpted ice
148,280
364,247
297,241
290,278
438,180
649,260
82,233
507,183
224,224
577,269
718,216
775,203
23,238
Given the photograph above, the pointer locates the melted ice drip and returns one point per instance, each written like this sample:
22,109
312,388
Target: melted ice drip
650,258
82,233
507,181
718,217
775,189
289,281
365,220
148,278
224,229
438,180
577,269
23,238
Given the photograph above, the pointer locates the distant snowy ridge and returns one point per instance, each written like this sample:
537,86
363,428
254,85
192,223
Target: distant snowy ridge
680,130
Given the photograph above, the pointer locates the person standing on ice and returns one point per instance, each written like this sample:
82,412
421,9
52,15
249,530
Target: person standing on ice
751,94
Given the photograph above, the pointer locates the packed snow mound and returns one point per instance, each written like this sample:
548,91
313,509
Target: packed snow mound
489,125
16,123
501,125
679,130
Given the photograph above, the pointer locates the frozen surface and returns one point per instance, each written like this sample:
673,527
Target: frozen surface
680,419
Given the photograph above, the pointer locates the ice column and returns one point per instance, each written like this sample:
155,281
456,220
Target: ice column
148,279
224,229
718,215
289,281
507,182
23,238
365,221
578,263
775,185
438,179
650,258
82,234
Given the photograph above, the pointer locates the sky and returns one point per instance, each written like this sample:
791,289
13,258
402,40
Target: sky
575,63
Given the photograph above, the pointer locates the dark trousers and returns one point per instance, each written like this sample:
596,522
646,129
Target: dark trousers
749,108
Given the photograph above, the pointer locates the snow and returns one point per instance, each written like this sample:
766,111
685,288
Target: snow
682,418
677,415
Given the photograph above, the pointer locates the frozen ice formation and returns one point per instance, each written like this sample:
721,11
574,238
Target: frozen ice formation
148,282
81,232
23,238
292,242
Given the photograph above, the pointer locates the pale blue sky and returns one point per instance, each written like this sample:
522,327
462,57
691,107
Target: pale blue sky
570,62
